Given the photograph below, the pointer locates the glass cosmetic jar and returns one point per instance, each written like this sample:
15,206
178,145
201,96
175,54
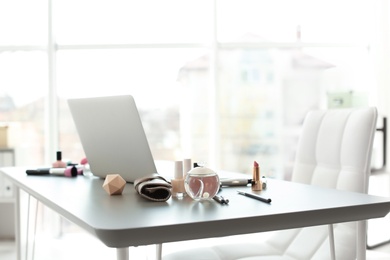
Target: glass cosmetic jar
202,183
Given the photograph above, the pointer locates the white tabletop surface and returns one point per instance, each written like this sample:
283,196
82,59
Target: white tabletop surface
130,220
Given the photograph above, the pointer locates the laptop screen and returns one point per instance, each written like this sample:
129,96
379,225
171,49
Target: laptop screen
112,136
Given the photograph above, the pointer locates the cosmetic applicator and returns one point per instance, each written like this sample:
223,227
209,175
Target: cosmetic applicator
67,172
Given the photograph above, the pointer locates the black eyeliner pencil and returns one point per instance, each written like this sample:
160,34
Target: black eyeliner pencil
254,196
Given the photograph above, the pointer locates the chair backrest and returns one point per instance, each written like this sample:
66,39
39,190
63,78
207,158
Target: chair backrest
335,148
334,151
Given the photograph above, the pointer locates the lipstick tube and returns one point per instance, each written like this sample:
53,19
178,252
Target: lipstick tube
256,180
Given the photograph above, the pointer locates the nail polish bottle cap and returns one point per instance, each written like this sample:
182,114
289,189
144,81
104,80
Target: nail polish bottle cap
178,173
59,156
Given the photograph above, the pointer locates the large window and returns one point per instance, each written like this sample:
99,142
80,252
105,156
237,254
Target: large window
223,82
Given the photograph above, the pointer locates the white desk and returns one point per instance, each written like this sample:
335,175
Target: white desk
129,220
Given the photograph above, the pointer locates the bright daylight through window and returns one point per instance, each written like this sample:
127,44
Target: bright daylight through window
222,82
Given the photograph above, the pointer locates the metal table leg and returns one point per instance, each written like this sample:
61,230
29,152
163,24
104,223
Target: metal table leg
158,251
361,240
331,242
122,253
17,224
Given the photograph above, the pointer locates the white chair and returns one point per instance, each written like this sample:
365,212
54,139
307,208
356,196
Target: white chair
334,151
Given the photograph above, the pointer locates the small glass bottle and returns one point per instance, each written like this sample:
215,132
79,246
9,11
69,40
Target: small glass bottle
178,189
202,183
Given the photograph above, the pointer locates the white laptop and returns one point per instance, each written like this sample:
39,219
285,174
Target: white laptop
112,136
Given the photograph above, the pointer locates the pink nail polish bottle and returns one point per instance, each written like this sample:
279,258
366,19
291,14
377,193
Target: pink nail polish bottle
59,163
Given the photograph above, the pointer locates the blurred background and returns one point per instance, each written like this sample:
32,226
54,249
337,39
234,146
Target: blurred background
222,82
